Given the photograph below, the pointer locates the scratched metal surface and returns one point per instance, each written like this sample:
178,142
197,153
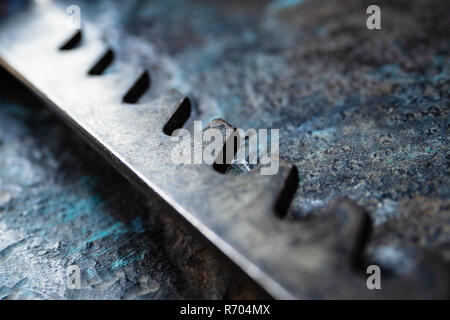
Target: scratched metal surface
362,114
62,204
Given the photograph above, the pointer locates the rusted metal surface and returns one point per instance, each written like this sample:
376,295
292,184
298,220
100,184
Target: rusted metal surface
321,257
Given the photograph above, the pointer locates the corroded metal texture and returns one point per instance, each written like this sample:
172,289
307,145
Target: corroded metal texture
344,98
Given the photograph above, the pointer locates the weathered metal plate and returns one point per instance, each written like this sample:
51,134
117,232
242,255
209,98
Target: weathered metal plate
290,260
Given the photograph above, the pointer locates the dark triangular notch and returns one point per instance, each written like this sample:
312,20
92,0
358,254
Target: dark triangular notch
138,89
286,195
102,64
73,42
179,118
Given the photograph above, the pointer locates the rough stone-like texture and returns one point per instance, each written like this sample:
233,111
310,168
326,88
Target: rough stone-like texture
62,204
362,113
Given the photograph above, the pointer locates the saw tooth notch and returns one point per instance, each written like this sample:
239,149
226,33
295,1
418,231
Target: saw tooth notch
287,193
230,147
141,85
353,229
73,42
102,64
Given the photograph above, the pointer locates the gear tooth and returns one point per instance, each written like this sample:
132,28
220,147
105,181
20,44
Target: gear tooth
230,147
283,183
175,110
354,226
